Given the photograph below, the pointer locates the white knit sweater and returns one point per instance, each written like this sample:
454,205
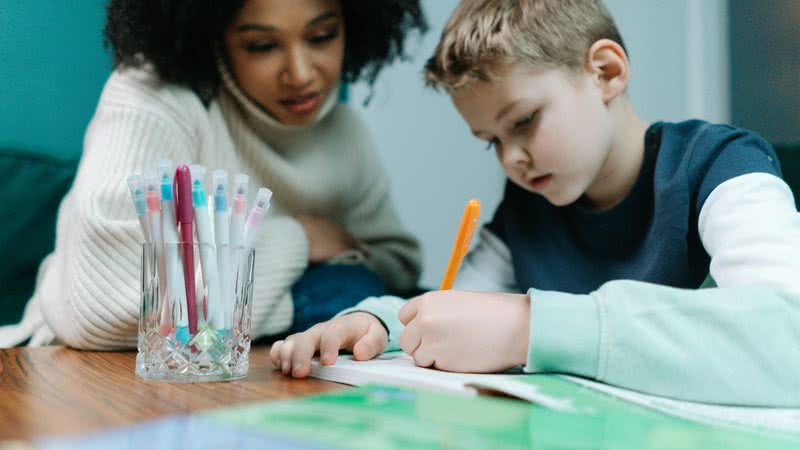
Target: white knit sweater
87,292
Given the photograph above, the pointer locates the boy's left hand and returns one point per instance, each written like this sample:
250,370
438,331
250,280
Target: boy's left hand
462,331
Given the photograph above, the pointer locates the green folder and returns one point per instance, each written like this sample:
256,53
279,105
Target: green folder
378,417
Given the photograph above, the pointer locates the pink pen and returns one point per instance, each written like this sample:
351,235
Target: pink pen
185,216
153,196
256,216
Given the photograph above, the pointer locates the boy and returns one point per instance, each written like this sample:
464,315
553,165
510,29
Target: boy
608,225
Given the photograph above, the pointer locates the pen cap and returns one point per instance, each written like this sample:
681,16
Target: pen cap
165,171
220,187
240,184
198,185
198,174
256,216
136,186
183,194
263,198
152,187
262,204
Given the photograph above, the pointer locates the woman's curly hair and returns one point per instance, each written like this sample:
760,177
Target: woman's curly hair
177,37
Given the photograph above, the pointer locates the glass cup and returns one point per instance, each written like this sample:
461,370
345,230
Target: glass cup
207,339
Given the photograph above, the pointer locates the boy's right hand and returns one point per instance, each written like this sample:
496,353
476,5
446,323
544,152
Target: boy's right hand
360,332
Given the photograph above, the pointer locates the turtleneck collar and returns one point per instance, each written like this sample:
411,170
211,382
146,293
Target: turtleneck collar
260,118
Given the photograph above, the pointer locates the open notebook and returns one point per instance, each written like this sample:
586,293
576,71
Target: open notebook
398,369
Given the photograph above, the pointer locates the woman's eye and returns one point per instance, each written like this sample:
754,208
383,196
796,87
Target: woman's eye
260,47
319,39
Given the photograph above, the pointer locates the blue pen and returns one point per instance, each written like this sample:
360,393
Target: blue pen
136,187
222,223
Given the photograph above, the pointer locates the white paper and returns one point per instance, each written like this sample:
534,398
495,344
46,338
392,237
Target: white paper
398,369
774,419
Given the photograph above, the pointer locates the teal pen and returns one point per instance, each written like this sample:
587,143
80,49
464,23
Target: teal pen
208,255
176,287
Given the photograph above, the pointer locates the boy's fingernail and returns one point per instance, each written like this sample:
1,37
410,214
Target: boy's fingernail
285,367
326,356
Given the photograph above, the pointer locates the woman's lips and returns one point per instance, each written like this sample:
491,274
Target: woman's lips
540,182
302,104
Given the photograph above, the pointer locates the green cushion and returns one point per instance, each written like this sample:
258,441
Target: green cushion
789,155
33,187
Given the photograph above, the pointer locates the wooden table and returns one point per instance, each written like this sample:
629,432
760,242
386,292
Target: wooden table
55,390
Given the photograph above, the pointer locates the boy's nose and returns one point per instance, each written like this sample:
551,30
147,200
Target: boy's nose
299,70
517,157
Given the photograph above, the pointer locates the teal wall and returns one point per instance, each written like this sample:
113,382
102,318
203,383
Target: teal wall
53,69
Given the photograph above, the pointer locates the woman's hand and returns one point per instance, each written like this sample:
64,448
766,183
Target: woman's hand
466,331
326,239
360,332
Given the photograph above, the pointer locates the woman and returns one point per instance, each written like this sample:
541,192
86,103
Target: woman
249,86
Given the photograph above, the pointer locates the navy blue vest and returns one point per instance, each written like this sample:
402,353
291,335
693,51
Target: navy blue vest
652,234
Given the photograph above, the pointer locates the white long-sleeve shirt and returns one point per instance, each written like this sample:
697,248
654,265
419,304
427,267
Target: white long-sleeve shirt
737,343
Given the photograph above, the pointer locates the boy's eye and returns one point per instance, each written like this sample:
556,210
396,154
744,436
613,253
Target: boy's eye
319,39
260,47
524,121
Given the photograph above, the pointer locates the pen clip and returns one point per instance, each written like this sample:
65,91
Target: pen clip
175,197
182,190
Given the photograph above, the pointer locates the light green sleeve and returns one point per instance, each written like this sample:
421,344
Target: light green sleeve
738,345
386,309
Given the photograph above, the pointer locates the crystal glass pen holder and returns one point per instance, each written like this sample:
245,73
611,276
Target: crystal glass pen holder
196,303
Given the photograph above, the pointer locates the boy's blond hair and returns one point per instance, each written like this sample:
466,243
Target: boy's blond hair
542,33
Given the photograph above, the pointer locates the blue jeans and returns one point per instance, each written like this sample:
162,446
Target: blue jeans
326,289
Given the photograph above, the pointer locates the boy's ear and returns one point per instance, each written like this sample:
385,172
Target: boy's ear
607,62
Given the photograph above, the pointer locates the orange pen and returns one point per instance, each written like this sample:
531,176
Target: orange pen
469,221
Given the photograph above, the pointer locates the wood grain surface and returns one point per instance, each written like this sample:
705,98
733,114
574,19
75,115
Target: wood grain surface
50,391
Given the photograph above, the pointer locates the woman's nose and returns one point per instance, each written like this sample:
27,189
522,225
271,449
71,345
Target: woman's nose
298,70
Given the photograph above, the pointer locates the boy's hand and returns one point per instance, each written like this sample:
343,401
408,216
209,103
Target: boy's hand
360,332
466,331
325,238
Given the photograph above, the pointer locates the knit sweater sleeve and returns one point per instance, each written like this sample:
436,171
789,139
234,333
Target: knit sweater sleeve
89,294
281,258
